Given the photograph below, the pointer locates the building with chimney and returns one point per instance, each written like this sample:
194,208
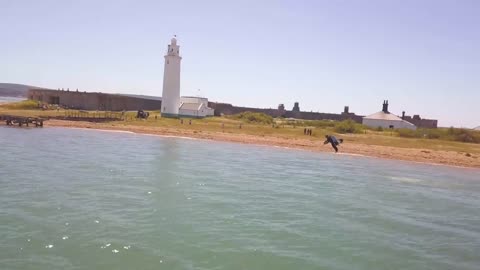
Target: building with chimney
296,107
385,119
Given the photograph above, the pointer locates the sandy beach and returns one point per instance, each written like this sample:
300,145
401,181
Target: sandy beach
450,158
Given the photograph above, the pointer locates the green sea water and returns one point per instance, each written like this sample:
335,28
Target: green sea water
83,199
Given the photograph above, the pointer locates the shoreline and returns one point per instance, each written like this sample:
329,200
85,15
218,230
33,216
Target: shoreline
415,155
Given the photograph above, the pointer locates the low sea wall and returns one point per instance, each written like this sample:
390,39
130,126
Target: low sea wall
93,101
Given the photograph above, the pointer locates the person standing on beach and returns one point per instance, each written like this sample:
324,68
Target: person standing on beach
333,141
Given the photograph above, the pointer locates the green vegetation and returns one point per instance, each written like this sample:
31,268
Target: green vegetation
320,123
253,117
464,135
348,126
21,105
407,133
450,134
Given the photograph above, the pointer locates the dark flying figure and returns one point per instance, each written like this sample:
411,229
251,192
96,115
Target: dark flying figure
333,141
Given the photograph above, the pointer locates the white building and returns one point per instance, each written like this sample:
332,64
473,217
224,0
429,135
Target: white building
385,119
172,104
171,81
194,107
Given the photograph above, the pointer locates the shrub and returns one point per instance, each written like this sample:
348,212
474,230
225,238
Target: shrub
464,135
22,105
407,133
460,135
431,133
450,134
253,117
451,131
322,123
348,126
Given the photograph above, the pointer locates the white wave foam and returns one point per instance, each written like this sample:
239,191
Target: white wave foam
406,179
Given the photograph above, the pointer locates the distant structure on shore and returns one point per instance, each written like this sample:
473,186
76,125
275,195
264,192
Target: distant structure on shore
384,119
199,107
419,122
296,107
172,104
229,109
171,81
82,100
408,122
196,107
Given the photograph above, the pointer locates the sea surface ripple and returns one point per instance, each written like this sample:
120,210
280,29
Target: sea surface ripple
82,199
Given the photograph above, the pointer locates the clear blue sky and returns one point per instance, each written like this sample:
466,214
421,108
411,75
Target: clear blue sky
421,55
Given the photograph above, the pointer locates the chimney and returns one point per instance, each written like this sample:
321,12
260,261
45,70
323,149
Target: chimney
296,107
345,110
403,115
385,106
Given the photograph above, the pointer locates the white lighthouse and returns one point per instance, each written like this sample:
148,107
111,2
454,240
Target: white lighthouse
171,81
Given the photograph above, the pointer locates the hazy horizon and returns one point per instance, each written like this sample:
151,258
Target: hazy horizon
422,56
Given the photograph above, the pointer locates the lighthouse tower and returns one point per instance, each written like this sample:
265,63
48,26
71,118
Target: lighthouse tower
171,81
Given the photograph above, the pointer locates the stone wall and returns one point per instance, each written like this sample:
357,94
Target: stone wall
422,123
229,109
114,102
93,101
419,122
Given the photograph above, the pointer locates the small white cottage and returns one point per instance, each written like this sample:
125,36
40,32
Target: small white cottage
385,119
196,107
